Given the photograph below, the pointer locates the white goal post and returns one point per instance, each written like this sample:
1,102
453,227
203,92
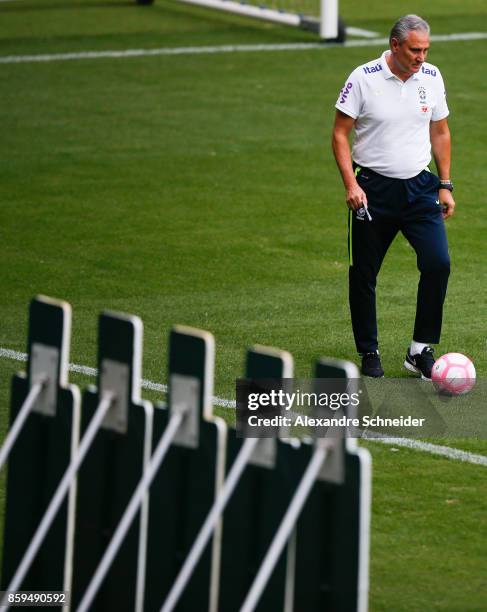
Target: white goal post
327,24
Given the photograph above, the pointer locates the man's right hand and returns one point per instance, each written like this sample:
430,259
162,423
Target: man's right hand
356,197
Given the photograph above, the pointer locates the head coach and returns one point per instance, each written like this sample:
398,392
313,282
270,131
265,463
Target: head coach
396,105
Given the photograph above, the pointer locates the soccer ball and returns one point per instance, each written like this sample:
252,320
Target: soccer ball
453,374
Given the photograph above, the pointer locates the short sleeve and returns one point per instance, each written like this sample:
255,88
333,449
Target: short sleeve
440,110
350,99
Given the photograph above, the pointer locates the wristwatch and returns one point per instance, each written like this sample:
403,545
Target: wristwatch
446,185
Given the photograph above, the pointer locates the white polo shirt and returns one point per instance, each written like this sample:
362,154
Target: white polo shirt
393,117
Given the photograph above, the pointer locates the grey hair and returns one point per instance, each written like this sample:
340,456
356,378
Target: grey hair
406,24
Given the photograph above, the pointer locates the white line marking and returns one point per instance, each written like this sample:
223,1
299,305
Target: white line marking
435,449
13,355
426,447
360,32
88,371
373,42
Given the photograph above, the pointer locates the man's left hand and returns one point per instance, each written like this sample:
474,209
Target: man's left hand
448,203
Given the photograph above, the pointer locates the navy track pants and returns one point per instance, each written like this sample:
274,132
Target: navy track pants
410,206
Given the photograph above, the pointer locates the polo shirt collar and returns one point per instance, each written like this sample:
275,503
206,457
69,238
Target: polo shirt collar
386,71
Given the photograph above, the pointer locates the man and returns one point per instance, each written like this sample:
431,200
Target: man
396,105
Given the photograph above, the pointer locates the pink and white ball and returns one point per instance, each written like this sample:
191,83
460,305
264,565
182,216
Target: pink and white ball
453,374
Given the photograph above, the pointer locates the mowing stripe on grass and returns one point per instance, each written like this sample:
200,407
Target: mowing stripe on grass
425,447
373,42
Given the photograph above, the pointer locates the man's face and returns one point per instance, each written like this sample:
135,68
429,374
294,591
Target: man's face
411,53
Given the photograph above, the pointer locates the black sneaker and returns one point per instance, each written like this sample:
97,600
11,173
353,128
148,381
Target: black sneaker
371,365
420,363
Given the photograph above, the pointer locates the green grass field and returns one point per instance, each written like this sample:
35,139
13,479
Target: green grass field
201,189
